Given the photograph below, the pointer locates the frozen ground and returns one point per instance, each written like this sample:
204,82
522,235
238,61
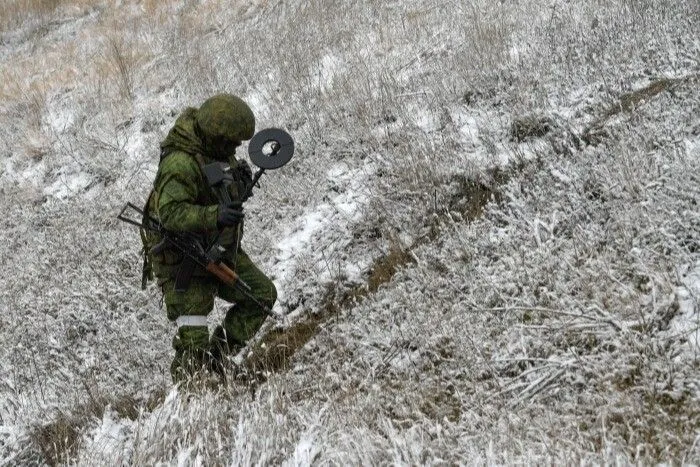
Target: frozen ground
486,245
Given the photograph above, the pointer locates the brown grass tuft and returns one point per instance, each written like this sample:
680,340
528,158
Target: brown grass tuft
528,127
59,439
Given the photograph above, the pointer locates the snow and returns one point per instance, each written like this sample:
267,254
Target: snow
327,70
692,147
60,116
109,442
687,322
259,103
426,120
311,229
468,127
306,451
68,184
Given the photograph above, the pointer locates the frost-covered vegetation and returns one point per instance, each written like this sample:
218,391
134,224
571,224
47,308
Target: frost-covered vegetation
486,246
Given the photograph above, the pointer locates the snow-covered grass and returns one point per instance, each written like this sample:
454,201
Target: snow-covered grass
486,245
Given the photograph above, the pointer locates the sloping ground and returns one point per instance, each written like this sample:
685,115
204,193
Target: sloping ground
486,245
558,304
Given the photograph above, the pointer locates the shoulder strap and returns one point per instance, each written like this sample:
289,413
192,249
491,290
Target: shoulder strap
200,161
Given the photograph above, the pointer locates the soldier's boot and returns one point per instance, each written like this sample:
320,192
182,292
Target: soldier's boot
191,346
221,346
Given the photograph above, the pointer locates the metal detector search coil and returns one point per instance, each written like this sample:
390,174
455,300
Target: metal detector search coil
271,148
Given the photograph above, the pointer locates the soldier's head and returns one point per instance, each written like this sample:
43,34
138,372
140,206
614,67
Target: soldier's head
222,122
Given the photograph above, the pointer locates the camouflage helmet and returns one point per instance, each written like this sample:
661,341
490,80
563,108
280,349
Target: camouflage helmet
225,116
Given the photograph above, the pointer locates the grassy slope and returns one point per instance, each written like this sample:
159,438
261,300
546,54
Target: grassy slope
538,330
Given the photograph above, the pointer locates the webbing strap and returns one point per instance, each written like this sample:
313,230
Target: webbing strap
191,320
200,161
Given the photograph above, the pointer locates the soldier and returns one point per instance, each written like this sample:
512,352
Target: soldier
183,201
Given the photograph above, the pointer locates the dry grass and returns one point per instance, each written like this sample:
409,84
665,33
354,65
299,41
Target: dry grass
59,439
273,353
629,102
14,13
529,127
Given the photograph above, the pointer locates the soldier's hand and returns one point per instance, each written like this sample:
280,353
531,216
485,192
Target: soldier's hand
244,171
229,215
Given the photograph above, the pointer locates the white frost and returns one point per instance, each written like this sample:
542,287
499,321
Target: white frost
317,224
68,184
687,321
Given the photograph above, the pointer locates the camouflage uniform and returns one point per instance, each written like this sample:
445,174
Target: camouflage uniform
183,201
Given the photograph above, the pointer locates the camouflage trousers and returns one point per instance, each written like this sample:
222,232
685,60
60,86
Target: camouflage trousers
194,349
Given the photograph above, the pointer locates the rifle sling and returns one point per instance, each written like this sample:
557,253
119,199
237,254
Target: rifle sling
147,267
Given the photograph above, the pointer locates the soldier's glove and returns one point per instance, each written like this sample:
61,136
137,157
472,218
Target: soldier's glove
229,215
244,175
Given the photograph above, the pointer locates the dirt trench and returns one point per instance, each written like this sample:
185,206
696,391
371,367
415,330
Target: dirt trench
274,352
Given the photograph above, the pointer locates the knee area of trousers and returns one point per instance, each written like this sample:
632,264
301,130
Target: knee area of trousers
191,338
266,295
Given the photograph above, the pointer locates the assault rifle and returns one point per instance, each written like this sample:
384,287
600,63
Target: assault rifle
193,251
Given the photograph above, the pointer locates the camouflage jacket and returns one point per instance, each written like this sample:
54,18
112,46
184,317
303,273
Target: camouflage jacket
182,200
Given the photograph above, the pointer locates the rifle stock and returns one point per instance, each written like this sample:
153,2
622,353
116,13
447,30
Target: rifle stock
223,272
229,277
